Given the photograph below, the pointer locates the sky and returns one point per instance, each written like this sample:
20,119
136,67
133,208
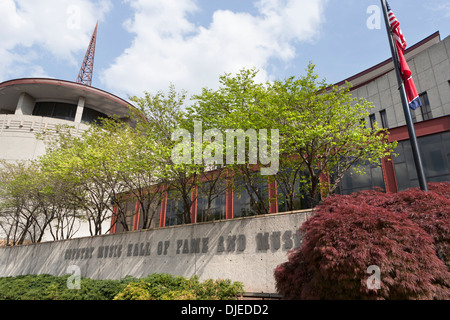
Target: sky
147,45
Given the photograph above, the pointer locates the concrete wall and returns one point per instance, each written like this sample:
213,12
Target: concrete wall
18,135
431,73
25,105
246,250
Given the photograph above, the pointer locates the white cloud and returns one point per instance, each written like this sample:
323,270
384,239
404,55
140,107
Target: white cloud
57,27
169,48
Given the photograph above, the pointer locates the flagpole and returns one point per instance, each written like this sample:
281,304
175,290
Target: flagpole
409,122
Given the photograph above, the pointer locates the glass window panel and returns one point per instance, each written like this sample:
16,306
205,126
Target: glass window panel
58,110
154,215
446,144
44,109
401,173
243,204
372,177
384,120
400,154
435,159
409,159
372,120
174,210
425,108
377,177
65,111
216,210
90,115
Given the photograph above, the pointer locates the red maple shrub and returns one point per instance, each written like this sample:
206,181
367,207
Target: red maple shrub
347,234
430,210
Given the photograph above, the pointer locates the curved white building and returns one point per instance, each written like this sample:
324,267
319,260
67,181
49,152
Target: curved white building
33,105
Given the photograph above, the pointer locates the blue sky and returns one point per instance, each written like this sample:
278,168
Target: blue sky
144,45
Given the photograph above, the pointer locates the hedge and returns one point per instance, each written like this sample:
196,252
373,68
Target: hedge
153,287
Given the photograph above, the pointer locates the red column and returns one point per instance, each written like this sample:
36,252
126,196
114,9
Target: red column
194,205
390,180
113,221
162,218
273,200
137,212
229,206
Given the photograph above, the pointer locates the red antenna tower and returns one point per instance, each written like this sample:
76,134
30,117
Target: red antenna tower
85,74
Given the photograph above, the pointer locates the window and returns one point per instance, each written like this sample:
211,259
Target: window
216,210
384,120
90,115
174,209
435,154
372,120
296,200
152,215
126,215
425,109
59,110
353,182
246,204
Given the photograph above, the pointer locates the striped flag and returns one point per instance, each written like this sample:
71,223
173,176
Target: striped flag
395,28
410,88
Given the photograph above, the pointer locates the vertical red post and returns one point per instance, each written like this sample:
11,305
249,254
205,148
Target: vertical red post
390,180
194,205
113,221
273,200
137,211
229,205
162,219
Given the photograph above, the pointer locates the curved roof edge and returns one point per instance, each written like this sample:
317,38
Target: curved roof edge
77,87
65,83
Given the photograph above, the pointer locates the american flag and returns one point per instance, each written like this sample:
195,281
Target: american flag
395,28
410,88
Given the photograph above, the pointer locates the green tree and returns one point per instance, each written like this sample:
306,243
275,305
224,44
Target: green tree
34,202
239,104
84,162
320,128
321,125
165,114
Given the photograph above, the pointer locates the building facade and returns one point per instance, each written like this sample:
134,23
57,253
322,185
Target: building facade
429,61
35,105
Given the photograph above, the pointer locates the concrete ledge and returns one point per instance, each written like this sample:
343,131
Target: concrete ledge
245,249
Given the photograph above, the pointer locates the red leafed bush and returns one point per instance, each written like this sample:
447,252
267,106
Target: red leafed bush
430,210
348,234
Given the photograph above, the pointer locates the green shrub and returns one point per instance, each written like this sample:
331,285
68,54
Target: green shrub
48,287
134,291
179,295
152,287
168,287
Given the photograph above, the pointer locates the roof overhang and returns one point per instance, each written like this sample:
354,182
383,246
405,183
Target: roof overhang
43,89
